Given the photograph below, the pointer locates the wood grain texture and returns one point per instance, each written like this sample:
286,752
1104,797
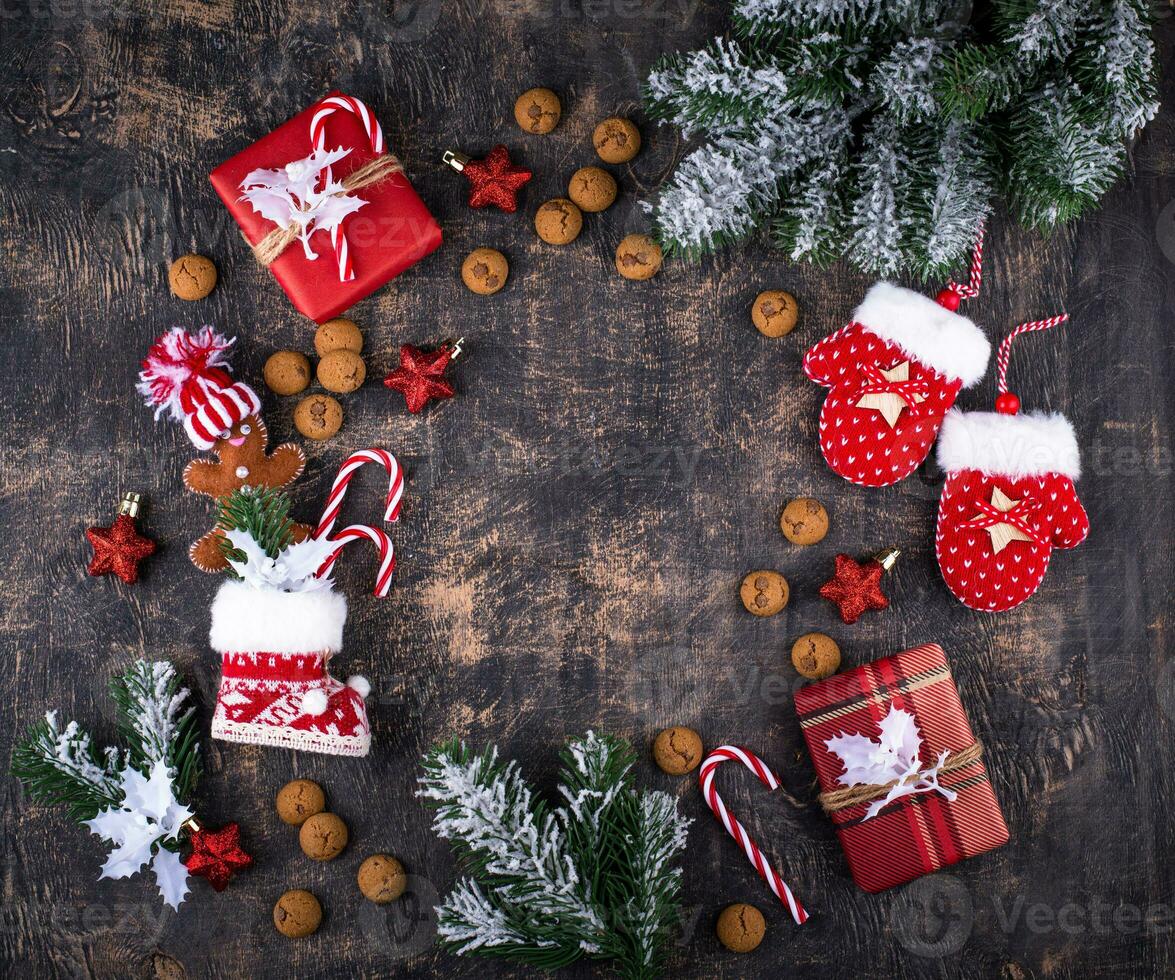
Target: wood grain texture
578,519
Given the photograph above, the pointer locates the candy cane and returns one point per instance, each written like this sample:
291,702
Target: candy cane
727,753
387,554
375,138
338,490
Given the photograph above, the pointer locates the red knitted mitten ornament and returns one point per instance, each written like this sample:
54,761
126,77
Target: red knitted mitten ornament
894,372
1009,498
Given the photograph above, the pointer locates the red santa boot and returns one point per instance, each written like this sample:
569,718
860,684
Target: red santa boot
1009,497
275,686
894,372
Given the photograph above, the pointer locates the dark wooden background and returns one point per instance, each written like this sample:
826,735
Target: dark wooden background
578,517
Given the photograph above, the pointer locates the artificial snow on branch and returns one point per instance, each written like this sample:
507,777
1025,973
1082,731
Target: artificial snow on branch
884,131
592,877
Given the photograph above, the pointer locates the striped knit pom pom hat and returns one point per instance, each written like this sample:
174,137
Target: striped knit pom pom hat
186,375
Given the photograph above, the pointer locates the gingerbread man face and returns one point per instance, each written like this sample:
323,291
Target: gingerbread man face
242,461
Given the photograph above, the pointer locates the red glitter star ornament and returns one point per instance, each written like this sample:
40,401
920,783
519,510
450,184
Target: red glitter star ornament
118,549
494,180
856,586
216,854
419,376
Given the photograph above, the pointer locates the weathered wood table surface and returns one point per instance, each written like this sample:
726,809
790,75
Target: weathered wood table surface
578,518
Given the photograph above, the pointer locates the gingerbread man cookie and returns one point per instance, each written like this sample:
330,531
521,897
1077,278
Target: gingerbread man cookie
241,461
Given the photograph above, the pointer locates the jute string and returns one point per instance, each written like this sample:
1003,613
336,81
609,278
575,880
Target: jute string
842,799
277,241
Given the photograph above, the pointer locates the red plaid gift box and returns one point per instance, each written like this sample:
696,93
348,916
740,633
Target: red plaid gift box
349,257
923,831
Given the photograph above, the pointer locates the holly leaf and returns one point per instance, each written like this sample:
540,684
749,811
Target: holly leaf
172,877
151,797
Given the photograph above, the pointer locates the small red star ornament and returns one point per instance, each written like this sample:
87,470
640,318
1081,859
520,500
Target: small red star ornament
217,854
856,586
419,376
119,548
494,180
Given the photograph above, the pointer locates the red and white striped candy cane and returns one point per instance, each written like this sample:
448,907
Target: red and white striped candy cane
338,490
387,554
727,753
375,137
356,532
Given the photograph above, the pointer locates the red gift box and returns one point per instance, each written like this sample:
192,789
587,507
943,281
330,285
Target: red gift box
922,832
392,231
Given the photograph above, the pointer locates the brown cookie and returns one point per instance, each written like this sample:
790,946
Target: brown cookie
537,110
774,313
338,334
558,222
287,372
484,271
297,914
804,521
677,750
815,656
638,257
318,416
382,879
741,927
299,800
341,371
764,592
323,836
191,277
616,140
592,188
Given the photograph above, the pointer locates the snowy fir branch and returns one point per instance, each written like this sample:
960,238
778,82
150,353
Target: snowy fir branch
593,877
884,131
59,765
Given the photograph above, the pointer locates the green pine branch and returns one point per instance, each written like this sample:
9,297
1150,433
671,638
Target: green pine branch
261,512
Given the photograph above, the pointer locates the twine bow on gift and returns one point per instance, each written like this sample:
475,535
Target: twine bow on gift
303,197
917,781
879,771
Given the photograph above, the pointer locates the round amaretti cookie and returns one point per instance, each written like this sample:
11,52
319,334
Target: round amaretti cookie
804,521
484,271
338,334
558,221
616,140
592,188
741,927
638,257
318,416
297,914
382,879
287,372
774,313
764,592
537,110
191,277
299,800
677,750
815,656
323,836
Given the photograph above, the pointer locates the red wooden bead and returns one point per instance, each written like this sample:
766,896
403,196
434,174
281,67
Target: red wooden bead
948,298
1007,403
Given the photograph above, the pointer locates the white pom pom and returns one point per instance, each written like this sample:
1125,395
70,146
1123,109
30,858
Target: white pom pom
359,684
314,702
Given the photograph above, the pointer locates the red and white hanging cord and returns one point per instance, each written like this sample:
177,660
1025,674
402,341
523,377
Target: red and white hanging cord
956,291
359,532
728,753
375,138
1005,351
